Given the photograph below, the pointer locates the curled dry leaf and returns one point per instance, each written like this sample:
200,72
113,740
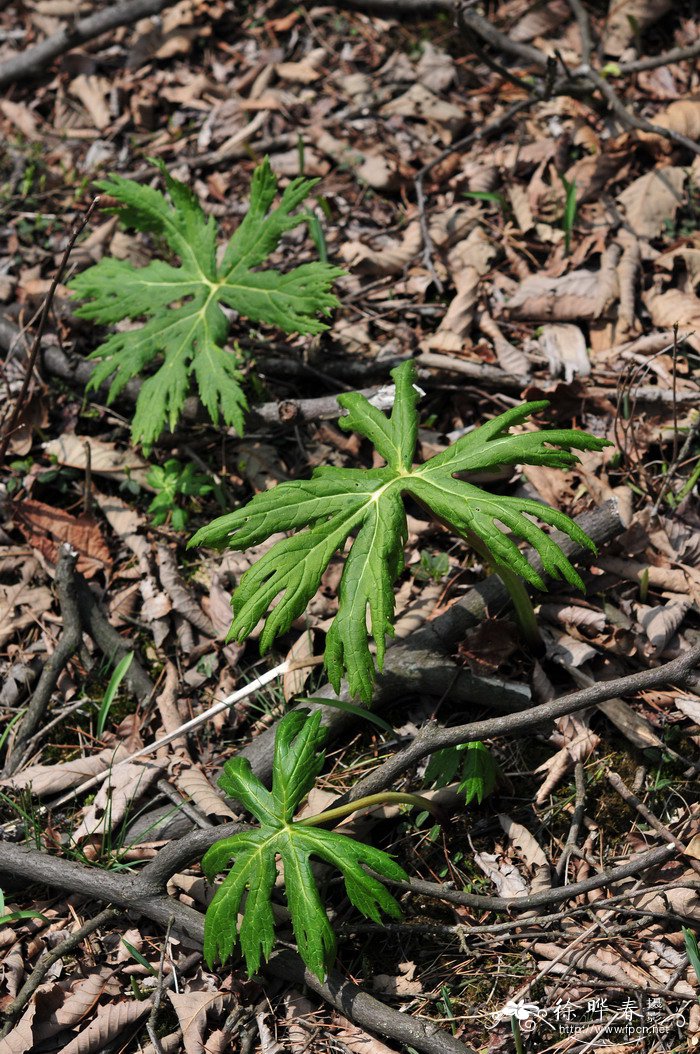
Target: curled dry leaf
660,623
681,116
676,308
564,345
540,21
387,256
46,528
580,295
505,877
21,605
295,679
181,597
405,983
192,782
629,18
109,1022
419,102
511,359
52,779
467,263
124,785
435,69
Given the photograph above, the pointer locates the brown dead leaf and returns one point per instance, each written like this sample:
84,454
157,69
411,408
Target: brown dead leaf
294,680
20,606
124,785
682,115
109,1022
52,779
303,72
93,92
467,263
387,255
660,623
564,345
506,878
676,308
24,119
540,21
403,984
46,527
106,459
192,782
192,1009
628,19
419,102
652,200
577,296
182,599
435,69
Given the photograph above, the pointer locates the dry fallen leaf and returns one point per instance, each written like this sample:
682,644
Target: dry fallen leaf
192,1009
652,200
627,20
106,459
45,527
124,785
192,782
52,779
573,297
565,348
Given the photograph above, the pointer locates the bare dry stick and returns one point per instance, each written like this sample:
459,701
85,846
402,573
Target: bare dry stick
628,796
432,738
76,230
67,646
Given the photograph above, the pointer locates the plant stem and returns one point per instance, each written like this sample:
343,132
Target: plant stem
522,605
385,798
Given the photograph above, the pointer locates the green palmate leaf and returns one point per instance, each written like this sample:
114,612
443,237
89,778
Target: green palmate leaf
185,327
335,504
297,761
479,772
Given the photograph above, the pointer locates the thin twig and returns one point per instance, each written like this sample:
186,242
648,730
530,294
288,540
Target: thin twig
628,796
66,648
432,738
75,231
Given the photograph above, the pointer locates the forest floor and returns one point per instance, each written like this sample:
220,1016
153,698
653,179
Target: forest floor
510,221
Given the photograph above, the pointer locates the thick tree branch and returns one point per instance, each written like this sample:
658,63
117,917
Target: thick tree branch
128,892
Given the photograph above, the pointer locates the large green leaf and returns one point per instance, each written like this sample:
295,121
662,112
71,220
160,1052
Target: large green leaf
368,505
248,886
185,328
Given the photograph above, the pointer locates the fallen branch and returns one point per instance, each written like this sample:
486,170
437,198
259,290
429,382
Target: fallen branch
66,648
35,60
431,738
129,892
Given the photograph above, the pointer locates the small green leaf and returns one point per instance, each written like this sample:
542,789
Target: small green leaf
368,505
692,950
184,327
478,773
298,759
120,672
